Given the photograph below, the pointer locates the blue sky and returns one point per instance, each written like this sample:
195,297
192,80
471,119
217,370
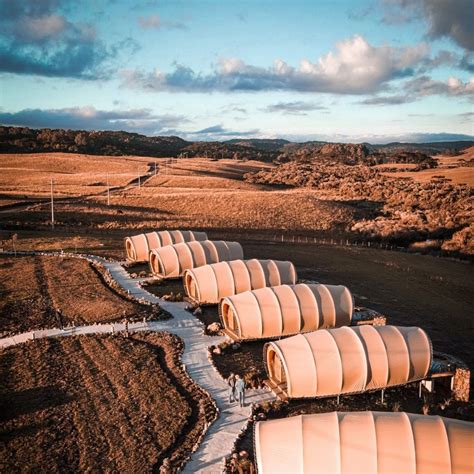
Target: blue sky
368,70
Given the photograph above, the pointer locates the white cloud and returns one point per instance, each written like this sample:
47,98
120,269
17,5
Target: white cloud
356,67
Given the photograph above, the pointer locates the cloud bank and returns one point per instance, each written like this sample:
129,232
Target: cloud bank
356,67
444,18
89,118
36,38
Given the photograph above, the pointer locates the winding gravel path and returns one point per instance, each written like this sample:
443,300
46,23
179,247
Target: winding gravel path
222,434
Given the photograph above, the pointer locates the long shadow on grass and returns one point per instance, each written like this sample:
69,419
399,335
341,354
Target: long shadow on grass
23,402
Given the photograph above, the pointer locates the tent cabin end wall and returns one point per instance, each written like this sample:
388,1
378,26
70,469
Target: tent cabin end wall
275,366
228,320
155,266
190,287
129,250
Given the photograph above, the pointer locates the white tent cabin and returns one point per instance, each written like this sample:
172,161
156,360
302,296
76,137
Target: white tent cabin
209,283
138,247
332,362
172,260
285,310
364,443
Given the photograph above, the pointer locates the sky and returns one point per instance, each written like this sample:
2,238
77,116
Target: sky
339,70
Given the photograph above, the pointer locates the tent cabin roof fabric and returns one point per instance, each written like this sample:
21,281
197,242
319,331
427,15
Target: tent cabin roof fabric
171,261
137,247
209,283
330,362
286,310
365,443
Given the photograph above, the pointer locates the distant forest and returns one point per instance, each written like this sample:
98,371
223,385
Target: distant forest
28,140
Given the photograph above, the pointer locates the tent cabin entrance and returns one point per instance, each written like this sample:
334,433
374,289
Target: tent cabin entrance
155,264
276,369
229,321
190,286
130,250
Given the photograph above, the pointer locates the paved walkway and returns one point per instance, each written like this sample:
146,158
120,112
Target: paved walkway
222,434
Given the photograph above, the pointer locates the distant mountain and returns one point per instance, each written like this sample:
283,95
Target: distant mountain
28,140
431,148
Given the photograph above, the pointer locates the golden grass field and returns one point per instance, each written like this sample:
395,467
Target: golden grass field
187,192
454,169
73,175
197,192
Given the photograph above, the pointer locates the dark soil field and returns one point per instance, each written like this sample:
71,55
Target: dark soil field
41,292
98,404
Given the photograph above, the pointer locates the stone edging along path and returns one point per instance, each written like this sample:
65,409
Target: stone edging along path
220,437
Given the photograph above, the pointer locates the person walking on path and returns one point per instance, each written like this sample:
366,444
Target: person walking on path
240,390
231,383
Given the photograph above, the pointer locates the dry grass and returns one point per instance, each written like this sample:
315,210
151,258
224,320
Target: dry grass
233,209
450,168
94,404
33,288
459,175
73,175
193,192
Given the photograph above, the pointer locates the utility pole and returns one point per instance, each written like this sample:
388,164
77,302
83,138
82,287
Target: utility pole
155,168
108,191
52,203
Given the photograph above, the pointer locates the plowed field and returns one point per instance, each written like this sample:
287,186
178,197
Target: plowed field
41,292
98,403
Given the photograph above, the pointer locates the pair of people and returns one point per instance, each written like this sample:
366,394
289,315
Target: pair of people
236,389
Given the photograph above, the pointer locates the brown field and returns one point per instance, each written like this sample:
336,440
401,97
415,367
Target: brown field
32,288
175,198
29,175
96,404
458,175
454,169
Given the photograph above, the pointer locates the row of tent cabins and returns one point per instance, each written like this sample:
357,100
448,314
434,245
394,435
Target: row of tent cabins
318,348
319,345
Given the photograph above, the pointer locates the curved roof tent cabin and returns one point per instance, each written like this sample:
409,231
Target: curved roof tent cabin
210,283
364,442
331,362
137,247
285,310
171,261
